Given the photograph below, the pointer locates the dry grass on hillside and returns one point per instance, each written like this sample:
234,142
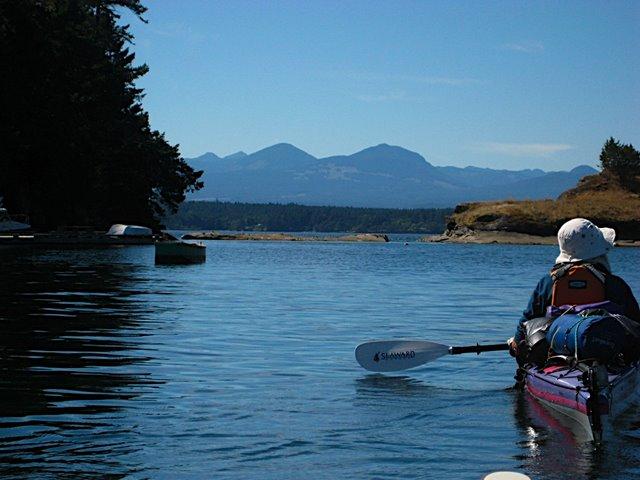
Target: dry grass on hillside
617,205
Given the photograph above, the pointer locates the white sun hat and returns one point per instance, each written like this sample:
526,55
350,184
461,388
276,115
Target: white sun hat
579,239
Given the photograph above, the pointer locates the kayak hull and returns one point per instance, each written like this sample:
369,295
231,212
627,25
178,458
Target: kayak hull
563,390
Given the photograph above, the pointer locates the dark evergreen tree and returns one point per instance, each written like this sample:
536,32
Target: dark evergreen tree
77,144
620,160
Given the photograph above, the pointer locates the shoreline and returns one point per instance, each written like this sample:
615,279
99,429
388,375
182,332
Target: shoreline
286,237
80,239
456,236
468,236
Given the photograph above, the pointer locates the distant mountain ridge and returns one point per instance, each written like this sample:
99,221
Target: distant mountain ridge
380,176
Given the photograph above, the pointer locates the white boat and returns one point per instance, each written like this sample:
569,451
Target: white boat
120,230
177,251
8,225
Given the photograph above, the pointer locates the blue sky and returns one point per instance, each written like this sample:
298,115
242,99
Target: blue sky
495,84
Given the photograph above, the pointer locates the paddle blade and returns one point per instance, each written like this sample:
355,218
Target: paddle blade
396,355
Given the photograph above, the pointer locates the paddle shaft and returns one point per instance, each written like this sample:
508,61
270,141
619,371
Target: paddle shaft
478,349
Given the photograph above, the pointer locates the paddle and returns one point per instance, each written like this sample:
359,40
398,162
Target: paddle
395,355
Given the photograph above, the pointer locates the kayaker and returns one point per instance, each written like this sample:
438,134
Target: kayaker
581,275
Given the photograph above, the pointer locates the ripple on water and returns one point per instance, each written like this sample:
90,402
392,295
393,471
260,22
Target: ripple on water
243,366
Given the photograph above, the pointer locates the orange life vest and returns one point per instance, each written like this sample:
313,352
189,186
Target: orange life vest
577,285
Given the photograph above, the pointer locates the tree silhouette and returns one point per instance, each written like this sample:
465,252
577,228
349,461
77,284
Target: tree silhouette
77,144
621,161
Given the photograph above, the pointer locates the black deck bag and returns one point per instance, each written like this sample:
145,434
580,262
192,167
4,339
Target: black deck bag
536,340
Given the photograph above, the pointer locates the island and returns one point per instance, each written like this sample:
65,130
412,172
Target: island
610,198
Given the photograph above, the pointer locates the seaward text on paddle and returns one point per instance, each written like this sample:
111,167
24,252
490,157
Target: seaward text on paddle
393,355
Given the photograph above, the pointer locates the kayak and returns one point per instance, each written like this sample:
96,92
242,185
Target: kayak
592,396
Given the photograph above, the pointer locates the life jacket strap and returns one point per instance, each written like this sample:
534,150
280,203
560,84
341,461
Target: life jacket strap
596,273
564,269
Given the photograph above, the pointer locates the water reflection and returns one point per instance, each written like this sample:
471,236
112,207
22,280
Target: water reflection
243,366
463,425
378,384
72,358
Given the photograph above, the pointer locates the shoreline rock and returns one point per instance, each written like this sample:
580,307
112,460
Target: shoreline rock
465,235
361,237
284,237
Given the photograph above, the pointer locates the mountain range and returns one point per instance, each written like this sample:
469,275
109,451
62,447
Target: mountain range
380,176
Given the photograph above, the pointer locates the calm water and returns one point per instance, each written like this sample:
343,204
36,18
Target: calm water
243,367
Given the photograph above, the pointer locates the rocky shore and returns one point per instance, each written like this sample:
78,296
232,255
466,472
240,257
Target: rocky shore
605,199
285,237
466,235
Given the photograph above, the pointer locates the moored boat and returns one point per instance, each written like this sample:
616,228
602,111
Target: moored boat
9,225
177,252
590,395
121,230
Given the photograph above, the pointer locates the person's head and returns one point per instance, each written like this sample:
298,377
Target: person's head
580,240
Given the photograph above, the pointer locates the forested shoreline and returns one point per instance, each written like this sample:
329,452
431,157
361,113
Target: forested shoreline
300,218
78,148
